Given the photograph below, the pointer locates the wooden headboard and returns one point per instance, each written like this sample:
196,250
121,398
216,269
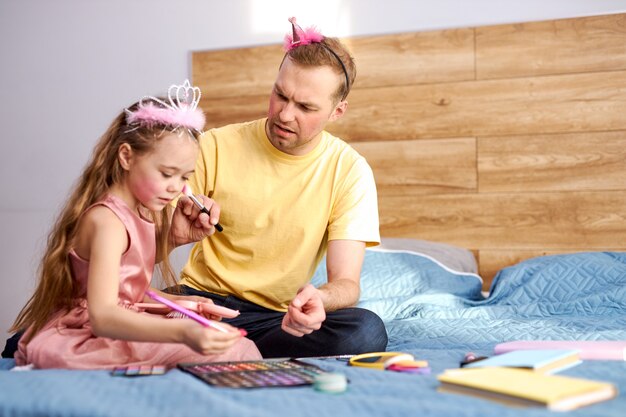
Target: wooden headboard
508,140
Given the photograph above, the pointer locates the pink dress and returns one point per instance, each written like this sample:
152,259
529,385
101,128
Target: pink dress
67,341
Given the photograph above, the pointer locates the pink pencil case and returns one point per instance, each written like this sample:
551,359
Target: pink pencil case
210,308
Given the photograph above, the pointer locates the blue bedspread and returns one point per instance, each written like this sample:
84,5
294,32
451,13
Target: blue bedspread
430,311
563,297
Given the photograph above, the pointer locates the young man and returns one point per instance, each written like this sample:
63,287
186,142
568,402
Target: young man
289,193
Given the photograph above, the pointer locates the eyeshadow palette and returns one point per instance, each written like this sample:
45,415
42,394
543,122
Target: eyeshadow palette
143,370
254,374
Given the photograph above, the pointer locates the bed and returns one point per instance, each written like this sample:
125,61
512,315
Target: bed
431,309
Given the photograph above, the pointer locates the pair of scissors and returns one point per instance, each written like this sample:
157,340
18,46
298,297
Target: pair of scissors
383,360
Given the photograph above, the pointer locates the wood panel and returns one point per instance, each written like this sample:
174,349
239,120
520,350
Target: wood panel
223,111
492,261
236,72
555,104
578,161
408,58
553,47
541,221
413,58
422,167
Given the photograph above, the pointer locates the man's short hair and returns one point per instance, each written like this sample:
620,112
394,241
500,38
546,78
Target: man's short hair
329,52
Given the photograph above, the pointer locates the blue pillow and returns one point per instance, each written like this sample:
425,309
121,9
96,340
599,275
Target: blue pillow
579,284
391,281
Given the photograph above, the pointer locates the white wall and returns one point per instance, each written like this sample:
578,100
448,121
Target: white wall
67,67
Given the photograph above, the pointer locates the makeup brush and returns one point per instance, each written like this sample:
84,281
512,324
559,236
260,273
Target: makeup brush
202,320
194,306
188,193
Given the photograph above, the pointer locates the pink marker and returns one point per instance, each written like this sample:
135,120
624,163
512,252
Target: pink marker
202,320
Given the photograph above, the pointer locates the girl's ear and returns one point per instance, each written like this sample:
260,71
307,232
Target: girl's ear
125,156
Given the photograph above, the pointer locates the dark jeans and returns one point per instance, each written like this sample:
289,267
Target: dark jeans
11,346
345,331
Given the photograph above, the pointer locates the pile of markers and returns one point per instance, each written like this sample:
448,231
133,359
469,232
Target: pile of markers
410,366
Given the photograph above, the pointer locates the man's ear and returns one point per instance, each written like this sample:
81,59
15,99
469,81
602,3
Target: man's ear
125,156
339,110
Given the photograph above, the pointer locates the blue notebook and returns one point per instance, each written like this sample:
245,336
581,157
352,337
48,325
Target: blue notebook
547,361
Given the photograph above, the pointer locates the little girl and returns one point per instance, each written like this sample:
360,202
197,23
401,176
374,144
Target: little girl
102,251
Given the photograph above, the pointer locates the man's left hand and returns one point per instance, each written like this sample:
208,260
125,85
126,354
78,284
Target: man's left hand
305,313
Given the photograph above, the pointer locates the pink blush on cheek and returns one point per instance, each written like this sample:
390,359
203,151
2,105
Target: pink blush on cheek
146,189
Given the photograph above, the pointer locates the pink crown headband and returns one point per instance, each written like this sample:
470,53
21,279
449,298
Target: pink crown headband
300,37
181,111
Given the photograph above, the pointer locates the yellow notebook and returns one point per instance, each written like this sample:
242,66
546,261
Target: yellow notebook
526,388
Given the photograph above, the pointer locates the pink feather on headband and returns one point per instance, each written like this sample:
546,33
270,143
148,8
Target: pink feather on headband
181,110
299,37
151,114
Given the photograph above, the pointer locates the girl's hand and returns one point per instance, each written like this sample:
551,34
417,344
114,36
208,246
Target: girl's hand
207,341
189,224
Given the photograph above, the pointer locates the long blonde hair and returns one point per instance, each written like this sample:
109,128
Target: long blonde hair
56,289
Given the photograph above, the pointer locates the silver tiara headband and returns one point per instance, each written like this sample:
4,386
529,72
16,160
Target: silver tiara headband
181,111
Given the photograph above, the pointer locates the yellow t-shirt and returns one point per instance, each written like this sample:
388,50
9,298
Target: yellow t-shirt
278,212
